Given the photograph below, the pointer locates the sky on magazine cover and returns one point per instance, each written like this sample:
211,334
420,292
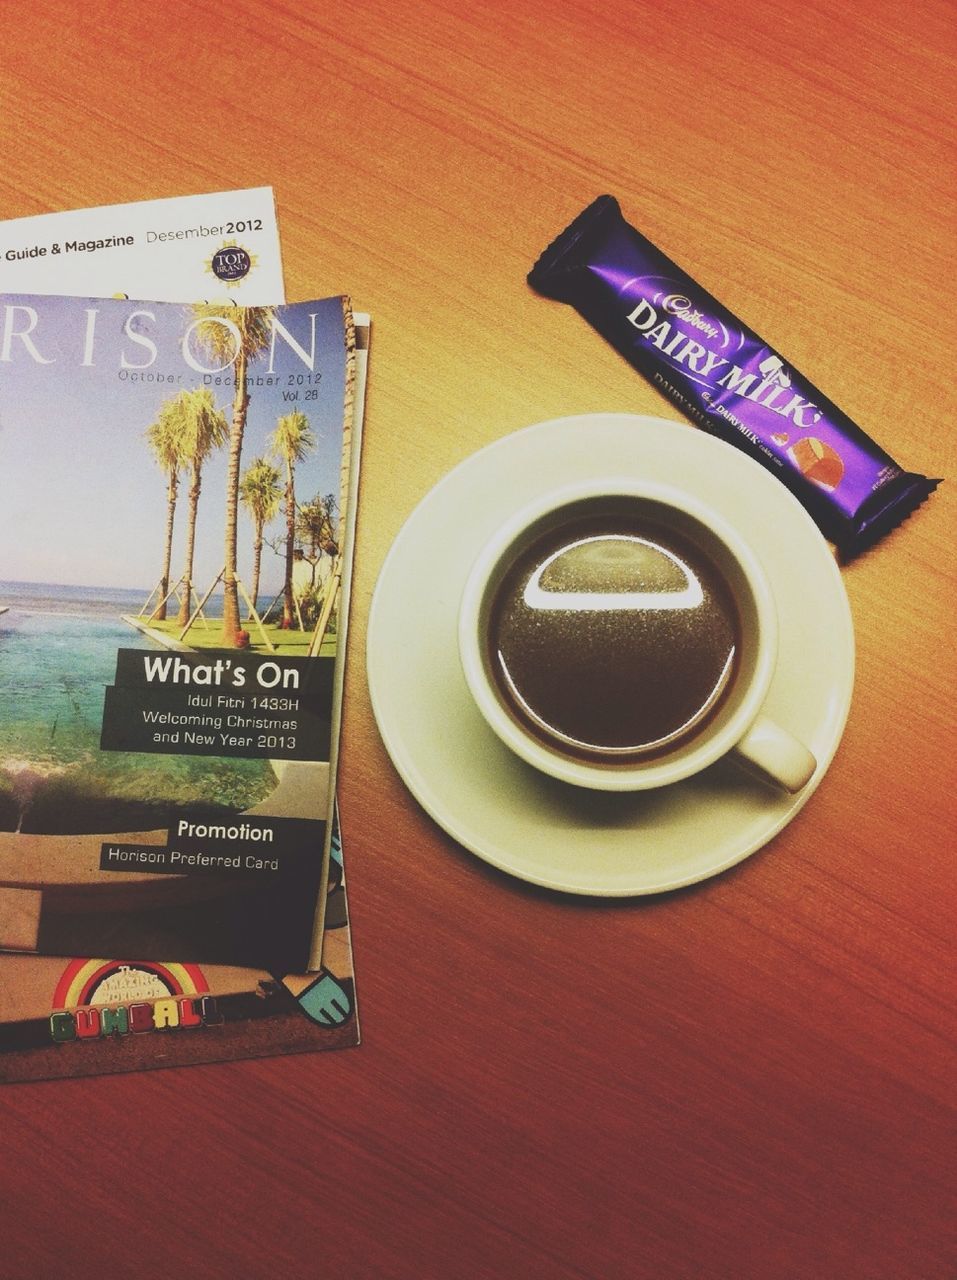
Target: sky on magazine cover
82,500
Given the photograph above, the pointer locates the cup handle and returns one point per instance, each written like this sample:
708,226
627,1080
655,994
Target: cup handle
777,755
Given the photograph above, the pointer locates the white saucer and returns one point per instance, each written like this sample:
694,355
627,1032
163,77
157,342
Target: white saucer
504,811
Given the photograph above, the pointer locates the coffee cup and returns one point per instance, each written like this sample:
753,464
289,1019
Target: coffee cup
622,635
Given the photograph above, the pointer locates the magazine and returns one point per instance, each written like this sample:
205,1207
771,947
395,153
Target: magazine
79,1017
224,245
189,811
243,1012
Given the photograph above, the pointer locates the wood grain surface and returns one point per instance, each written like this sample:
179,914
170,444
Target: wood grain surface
753,1078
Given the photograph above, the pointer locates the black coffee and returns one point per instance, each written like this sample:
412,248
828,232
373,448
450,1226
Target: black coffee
614,640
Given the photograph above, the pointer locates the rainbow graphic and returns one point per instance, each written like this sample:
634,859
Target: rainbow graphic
104,982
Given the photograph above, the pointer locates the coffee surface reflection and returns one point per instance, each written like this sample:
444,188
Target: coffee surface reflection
613,640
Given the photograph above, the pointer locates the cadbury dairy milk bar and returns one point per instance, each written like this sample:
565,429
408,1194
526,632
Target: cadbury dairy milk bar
726,378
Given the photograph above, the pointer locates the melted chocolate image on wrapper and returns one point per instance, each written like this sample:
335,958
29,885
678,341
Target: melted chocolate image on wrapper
726,378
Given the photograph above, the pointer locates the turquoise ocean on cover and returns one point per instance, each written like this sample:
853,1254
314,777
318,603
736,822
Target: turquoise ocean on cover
57,653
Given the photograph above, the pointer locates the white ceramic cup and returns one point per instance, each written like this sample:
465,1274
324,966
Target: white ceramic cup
738,726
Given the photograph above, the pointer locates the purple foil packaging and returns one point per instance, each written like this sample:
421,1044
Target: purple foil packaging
726,378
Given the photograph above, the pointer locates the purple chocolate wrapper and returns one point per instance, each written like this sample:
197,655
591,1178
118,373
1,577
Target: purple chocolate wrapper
726,378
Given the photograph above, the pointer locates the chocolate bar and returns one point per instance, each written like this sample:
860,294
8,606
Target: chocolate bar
725,377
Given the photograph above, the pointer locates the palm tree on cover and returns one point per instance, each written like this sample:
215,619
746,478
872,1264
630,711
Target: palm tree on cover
233,334
290,442
314,525
203,429
163,437
259,492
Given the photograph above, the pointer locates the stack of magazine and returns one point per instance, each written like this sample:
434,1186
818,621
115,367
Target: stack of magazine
179,453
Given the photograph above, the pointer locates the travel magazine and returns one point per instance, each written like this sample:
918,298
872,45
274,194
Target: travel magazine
107,1002
73,1017
186,812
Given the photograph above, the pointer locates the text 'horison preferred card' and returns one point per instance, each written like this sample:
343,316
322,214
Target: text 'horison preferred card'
168,727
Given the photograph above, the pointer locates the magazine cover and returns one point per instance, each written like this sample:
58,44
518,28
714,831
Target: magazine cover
187,811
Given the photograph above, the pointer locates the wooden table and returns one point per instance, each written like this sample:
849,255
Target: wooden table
753,1078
